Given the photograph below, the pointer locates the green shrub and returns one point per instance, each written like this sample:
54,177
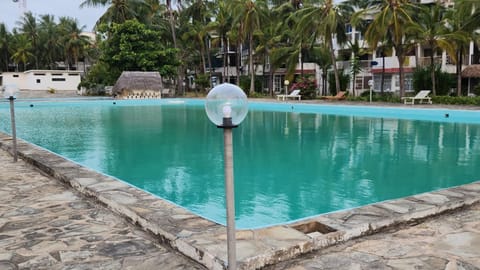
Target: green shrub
307,87
245,84
456,100
344,80
202,81
386,97
422,79
476,90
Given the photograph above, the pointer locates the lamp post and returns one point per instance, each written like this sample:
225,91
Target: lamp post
9,93
286,82
370,84
226,107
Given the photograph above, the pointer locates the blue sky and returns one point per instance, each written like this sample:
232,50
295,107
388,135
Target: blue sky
10,12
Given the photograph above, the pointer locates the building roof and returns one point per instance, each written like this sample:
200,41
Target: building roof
138,80
472,71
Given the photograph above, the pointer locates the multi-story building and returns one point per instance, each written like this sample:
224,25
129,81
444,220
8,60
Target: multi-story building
379,62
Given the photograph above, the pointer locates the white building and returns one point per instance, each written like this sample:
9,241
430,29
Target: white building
43,80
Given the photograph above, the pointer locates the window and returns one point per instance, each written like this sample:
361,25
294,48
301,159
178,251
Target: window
57,74
38,80
58,79
39,74
348,28
73,74
15,75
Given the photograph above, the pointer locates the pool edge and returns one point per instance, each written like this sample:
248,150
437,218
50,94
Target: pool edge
205,241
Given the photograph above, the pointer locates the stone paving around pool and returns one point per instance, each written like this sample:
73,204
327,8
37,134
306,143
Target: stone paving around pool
450,242
45,224
61,236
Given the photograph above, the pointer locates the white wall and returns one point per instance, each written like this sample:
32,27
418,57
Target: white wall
43,79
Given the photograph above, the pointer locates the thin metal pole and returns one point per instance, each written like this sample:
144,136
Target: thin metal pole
229,197
14,131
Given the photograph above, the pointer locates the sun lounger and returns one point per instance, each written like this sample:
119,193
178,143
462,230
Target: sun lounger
293,94
339,96
421,96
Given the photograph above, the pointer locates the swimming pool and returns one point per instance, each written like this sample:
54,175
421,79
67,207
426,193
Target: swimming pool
292,161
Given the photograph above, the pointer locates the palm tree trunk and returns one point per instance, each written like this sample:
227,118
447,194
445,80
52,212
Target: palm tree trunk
202,56
401,61
334,65
238,58
382,80
209,59
174,39
432,74
270,81
252,73
225,67
459,72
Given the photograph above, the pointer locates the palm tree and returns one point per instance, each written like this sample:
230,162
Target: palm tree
118,11
464,20
249,14
28,26
72,39
221,26
431,31
391,19
357,51
49,40
197,18
22,50
321,56
267,40
5,44
327,22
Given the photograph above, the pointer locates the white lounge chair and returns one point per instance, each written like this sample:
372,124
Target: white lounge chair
293,94
421,96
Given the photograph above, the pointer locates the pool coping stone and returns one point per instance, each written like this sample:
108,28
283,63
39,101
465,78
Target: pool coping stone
205,241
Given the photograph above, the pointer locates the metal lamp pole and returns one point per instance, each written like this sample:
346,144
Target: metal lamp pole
286,82
226,106
229,189
14,130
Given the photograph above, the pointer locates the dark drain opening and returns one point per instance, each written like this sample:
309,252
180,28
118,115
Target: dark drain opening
314,226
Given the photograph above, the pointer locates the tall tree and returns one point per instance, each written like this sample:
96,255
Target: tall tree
49,40
29,27
464,18
5,47
391,20
118,11
74,43
134,47
249,14
321,56
221,25
327,22
431,31
23,50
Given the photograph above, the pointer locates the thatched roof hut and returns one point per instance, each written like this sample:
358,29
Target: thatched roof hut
135,81
472,71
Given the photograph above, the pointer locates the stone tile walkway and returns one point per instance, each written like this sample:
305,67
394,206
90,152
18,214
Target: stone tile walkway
46,225
450,241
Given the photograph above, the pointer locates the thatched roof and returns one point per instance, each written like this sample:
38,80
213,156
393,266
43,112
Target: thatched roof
472,71
138,80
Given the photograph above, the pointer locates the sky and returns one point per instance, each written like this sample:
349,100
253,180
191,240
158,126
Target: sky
11,12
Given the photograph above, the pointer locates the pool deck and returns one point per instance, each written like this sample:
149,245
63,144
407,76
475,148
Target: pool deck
56,214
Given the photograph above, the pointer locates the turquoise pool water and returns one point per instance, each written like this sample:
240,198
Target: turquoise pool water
292,161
